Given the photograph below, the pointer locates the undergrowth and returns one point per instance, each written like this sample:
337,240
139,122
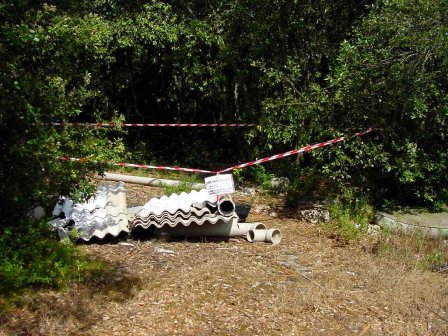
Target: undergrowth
350,215
415,250
256,175
31,256
186,185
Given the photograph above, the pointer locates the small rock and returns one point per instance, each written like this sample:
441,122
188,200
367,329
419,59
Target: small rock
37,213
279,183
248,191
273,214
260,208
373,229
439,268
126,244
315,216
161,250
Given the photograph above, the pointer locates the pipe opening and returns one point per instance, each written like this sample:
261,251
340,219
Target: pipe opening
273,236
226,207
258,226
251,236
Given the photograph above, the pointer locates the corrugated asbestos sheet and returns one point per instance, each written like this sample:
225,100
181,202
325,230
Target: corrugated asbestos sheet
103,215
107,214
196,207
176,202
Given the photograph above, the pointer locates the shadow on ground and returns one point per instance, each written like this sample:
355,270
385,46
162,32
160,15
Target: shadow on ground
70,310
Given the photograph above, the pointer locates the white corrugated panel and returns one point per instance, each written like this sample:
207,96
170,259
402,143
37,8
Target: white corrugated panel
105,214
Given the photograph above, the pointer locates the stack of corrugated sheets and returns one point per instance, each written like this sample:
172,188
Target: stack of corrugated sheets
196,207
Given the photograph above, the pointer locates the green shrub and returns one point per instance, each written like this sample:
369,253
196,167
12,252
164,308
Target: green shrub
186,185
350,215
31,255
257,174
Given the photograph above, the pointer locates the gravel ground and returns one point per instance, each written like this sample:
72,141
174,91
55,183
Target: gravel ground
309,284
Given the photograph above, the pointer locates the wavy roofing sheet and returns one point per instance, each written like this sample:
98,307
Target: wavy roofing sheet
172,222
105,214
180,213
176,202
196,207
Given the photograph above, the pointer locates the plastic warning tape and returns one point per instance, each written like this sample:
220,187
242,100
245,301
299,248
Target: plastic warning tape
75,124
294,151
243,165
124,164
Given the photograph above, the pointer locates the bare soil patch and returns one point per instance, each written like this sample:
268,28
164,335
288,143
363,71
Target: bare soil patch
309,284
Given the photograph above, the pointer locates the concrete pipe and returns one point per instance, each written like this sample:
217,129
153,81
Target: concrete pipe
273,236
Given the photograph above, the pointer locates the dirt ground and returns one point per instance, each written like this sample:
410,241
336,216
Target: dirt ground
309,284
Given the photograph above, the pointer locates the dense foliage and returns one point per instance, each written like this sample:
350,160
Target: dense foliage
305,71
389,72
393,74
50,61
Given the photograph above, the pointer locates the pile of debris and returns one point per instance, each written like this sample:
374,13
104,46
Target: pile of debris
194,214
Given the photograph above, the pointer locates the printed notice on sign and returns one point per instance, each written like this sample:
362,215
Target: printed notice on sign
220,184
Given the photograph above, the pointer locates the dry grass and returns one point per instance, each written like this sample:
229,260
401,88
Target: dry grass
309,284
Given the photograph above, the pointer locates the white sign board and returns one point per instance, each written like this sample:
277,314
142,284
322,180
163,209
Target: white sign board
220,184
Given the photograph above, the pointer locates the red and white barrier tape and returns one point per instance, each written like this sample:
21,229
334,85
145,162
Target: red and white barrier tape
293,152
243,165
75,124
124,164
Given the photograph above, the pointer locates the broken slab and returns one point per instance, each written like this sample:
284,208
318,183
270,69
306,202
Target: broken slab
416,220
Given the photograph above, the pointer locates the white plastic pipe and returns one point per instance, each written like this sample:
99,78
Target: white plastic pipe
148,181
273,236
256,235
231,229
241,229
